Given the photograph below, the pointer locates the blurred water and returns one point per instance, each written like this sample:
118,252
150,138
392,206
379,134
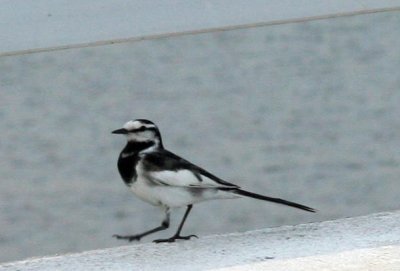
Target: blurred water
308,112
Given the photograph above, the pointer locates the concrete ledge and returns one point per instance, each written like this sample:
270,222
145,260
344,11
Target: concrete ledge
358,243
381,258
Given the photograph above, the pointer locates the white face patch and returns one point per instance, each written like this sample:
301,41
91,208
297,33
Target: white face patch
141,136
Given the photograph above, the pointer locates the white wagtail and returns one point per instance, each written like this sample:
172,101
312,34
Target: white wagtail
164,179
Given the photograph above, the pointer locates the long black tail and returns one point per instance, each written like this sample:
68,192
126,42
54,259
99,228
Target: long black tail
276,200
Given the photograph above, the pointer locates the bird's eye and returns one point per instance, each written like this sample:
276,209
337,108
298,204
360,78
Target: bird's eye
142,128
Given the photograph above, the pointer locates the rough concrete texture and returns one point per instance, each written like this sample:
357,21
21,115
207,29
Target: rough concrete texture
381,258
359,243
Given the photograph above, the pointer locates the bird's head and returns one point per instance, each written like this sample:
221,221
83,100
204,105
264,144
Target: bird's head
140,130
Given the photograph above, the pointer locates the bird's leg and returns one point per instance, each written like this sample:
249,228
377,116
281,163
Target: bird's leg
178,232
137,237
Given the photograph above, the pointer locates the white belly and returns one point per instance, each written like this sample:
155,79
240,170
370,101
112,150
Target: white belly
174,196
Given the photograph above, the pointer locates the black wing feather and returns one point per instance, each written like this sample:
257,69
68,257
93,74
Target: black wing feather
166,160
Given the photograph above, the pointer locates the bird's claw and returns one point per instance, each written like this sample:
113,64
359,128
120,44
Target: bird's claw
173,238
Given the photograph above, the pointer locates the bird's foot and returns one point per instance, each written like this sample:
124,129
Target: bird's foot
130,238
173,238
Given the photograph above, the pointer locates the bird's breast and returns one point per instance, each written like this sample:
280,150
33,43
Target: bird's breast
127,167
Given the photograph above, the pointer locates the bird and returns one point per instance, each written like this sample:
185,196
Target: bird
166,180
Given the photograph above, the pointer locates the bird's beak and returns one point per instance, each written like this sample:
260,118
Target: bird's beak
121,131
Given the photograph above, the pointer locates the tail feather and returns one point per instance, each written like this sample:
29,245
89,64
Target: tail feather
276,200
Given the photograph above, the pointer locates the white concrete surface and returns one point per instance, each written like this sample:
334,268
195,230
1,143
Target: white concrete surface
42,25
362,243
380,258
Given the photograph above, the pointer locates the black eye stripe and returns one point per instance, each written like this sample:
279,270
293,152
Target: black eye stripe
142,128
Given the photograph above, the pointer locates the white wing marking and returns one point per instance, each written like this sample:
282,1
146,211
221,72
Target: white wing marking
184,178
